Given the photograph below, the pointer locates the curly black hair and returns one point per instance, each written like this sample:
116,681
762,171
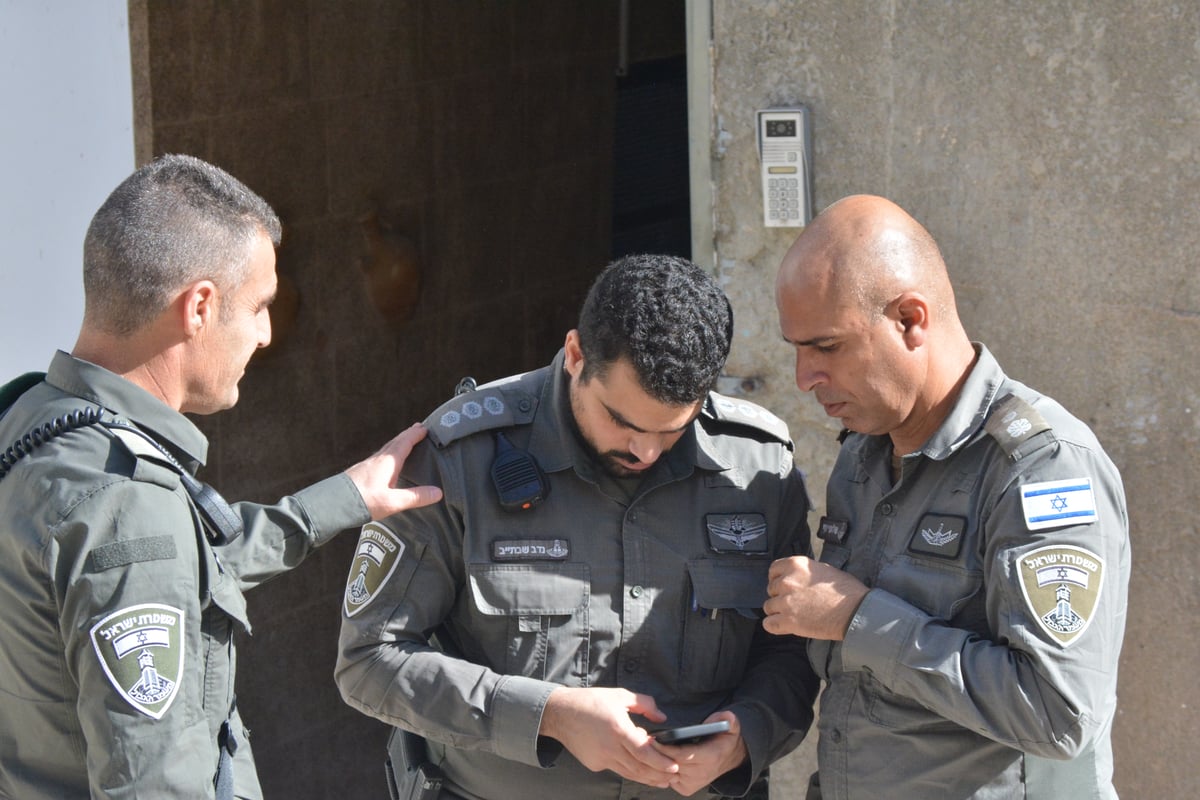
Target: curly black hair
664,314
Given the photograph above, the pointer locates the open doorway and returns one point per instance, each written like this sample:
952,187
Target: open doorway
498,143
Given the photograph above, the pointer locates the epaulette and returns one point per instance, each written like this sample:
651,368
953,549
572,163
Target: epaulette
137,444
1014,424
502,404
221,524
164,473
743,413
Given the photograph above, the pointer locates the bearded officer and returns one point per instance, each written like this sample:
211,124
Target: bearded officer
121,576
535,630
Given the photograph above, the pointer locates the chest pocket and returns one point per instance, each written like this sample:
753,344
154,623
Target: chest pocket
939,588
540,618
727,598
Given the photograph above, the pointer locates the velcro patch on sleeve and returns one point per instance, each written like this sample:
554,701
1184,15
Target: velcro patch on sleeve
132,551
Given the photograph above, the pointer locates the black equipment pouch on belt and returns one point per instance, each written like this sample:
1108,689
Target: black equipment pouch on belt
409,773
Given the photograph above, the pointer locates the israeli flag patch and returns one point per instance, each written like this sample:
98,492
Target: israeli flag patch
1053,504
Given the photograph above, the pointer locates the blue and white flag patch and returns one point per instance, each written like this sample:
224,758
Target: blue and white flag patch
1052,504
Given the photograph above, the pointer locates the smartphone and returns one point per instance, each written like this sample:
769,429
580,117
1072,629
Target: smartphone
690,734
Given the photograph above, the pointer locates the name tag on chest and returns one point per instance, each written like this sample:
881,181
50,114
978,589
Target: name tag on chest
530,550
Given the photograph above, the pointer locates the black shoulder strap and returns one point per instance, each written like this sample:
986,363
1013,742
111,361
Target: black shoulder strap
222,524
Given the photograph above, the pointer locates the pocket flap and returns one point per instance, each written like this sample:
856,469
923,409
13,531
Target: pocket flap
729,584
530,589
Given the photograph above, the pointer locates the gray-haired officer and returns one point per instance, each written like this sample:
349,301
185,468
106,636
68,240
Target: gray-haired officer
121,575
595,572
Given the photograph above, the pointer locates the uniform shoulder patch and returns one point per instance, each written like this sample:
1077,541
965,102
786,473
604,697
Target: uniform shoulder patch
1061,584
141,649
1013,422
746,414
1053,504
375,559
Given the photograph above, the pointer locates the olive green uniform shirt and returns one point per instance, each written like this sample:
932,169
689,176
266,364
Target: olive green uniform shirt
657,591
116,615
983,661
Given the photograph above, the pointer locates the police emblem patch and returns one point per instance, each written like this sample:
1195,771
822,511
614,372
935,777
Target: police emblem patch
375,559
141,649
737,533
1061,584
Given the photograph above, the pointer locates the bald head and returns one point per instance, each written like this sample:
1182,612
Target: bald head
864,251
865,300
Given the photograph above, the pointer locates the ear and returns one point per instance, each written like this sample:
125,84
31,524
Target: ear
198,305
573,354
912,314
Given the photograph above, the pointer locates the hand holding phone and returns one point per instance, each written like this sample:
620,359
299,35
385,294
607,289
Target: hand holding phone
691,734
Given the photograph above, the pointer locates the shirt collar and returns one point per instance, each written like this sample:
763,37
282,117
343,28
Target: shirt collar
109,390
966,419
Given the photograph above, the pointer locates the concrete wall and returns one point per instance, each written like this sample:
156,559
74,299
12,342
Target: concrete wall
1052,150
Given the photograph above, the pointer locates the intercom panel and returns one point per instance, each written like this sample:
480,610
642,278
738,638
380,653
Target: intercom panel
785,161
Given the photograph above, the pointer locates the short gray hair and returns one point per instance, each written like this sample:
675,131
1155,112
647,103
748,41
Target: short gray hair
174,221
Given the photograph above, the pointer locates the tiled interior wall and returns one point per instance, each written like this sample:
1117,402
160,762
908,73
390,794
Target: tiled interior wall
481,132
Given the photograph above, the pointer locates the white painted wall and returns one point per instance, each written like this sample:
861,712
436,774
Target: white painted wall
66,141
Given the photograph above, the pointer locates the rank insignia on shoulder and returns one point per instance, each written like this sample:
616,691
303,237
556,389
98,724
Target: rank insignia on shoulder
742,412
1013,421
375,559
141,649
1053,504
737,533
471,410
938,535
494,406
1061,584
